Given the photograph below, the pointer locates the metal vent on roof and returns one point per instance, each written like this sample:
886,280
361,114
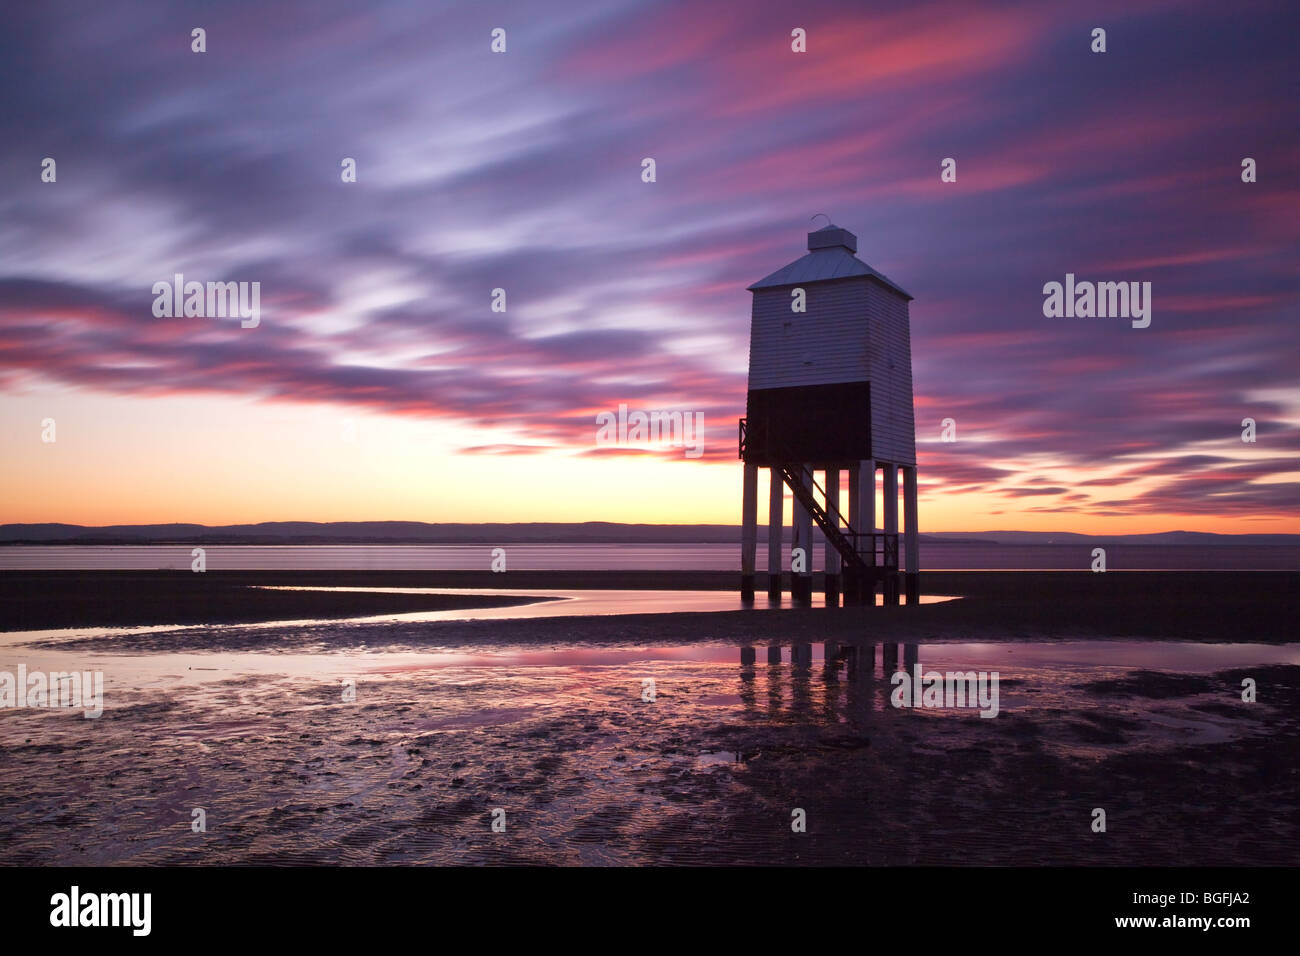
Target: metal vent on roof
830,237
831,255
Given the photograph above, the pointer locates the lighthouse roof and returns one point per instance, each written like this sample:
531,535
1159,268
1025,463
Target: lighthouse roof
830,256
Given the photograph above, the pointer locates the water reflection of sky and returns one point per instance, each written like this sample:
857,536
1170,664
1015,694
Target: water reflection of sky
826,681
684,556
566,603
1051,662
549,603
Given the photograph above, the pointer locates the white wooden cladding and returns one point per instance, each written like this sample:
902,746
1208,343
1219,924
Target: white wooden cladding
854,330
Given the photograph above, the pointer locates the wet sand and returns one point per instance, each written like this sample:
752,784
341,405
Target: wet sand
1182,605
545,719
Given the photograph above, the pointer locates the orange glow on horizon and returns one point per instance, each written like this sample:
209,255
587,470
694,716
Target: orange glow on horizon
217,461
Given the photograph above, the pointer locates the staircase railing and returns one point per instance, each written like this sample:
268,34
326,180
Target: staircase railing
859,549
803,484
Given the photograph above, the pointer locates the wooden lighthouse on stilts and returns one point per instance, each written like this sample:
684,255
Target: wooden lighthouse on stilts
830,395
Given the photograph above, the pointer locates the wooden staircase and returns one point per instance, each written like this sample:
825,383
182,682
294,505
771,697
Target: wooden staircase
803,484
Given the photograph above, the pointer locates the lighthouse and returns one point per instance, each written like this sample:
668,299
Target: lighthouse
830,398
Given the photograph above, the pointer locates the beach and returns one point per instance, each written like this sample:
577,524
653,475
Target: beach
1185,605
1120,691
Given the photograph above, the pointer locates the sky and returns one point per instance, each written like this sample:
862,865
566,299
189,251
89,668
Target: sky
380,384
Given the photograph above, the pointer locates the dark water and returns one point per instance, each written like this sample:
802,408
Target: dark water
626,557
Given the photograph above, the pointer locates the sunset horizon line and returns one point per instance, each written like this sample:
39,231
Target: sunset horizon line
1187,530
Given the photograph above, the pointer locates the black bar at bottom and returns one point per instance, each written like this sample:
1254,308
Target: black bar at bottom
332,905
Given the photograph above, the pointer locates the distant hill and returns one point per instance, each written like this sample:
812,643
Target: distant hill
1173,538
418,532
366,532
